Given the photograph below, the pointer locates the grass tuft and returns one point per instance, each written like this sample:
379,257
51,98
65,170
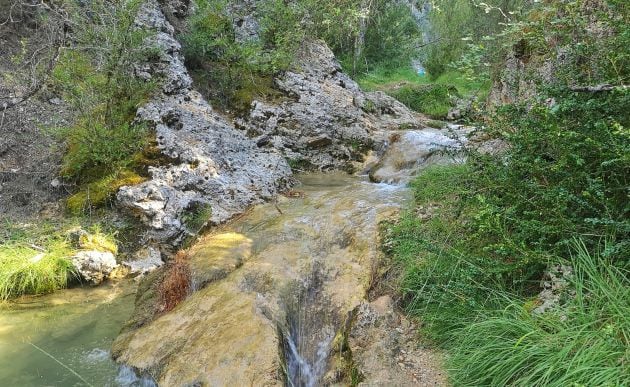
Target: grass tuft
28,270
36,259
584,342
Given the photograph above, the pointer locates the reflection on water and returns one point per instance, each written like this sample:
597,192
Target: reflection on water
62,338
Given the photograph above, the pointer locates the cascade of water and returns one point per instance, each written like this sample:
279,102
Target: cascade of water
309,332
127,377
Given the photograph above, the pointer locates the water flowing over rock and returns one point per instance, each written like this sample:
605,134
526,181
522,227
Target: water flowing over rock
265,278
327,122
215,168
411,151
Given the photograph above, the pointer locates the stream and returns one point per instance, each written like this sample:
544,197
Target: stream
270,295
272,289
62,338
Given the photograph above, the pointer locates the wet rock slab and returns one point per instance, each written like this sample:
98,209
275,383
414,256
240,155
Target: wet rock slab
228,331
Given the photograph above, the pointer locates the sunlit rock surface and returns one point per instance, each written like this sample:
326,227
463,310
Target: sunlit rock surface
299,267
326,121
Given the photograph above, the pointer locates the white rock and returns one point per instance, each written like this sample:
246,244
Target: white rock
94,266
145,260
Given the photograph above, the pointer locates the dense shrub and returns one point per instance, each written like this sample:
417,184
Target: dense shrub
435,100
481,236
234,72
458,25
95,78
565,175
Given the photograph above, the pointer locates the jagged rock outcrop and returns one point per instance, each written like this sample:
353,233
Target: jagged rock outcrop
327,121
215,168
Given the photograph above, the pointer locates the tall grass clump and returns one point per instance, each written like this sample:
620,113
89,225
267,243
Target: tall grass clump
28,270
585,342
37,258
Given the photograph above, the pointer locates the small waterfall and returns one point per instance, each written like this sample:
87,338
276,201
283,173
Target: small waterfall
308,332
127,377
304,370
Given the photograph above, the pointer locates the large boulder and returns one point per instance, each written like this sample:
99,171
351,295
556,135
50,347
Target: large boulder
215,171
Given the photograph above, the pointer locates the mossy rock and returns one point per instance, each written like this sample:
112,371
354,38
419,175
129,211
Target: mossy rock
97,193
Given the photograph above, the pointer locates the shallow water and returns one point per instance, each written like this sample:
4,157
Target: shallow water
75,327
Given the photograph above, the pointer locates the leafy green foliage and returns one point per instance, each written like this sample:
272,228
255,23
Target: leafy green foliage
442,271
390,39
457,26
233,72
563,176
482,235
591,38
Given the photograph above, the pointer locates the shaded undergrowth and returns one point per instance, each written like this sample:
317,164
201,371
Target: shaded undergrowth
481,307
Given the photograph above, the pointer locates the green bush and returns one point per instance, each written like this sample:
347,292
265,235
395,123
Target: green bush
442,271
234,72
564,175
456,24
390,40
95,77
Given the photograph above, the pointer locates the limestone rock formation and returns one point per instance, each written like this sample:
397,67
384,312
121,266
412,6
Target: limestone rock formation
215,169
326,122
257,276
94,266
